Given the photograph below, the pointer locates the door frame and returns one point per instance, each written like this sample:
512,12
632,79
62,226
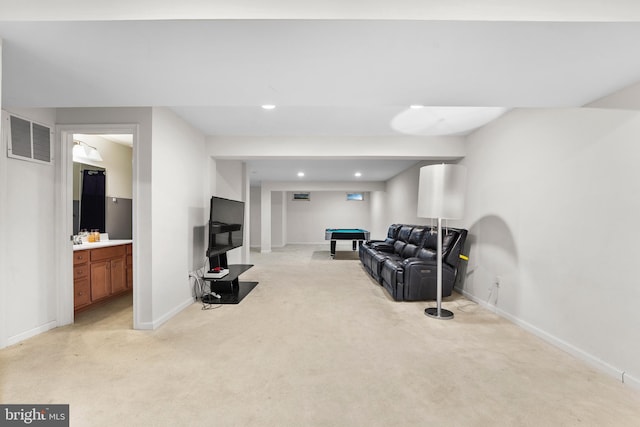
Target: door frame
64,213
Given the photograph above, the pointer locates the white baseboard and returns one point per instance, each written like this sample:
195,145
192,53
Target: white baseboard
597,363
177,309
143,326
323,242
32,333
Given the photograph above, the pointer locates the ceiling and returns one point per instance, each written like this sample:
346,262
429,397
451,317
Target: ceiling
327,77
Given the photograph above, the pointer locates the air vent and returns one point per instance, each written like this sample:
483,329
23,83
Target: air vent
28,140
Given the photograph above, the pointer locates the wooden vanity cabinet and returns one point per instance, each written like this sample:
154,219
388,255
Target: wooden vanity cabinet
129,266
81,285
108,276
101,273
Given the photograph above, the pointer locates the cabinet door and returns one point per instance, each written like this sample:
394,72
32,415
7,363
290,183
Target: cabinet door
129,266
81,293
118,275
100,280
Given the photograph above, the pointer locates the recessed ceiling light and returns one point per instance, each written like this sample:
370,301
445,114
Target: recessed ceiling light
416,106
357,174
300,174
268,107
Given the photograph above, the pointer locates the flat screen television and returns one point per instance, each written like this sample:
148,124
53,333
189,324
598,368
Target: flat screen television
226,223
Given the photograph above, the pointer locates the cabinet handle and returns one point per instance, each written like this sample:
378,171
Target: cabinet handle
80,294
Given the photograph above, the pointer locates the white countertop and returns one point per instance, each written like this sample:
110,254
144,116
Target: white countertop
100,244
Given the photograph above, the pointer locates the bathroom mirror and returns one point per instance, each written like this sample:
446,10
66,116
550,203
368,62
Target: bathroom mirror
89,196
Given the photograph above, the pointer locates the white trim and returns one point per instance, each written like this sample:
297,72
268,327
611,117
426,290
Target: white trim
32,332
144,326
64,228
557,342
168,315
64,194
3,225
135,206
325,242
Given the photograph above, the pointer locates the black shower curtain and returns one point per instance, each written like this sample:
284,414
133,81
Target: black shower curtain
92,205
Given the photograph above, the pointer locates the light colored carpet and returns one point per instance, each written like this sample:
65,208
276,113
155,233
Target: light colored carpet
317,343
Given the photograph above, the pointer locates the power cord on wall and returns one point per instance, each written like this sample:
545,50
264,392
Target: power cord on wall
201,290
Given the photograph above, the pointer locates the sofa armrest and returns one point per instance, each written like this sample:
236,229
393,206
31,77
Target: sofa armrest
373,243
415,261
382,247
420,277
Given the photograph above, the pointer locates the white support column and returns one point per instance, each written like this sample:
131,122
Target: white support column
283,218
265,219
246,196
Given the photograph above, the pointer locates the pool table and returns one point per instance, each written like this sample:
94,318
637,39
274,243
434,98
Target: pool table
353,234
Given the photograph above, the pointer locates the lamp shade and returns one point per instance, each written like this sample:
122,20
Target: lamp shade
441,191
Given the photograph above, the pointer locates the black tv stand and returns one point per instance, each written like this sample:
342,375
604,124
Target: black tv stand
230,289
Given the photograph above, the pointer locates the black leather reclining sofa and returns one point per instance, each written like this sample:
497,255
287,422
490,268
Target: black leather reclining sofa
405,262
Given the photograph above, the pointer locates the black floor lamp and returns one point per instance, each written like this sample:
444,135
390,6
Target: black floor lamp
441,195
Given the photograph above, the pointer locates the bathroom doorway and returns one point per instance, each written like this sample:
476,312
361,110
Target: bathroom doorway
102,217
106,164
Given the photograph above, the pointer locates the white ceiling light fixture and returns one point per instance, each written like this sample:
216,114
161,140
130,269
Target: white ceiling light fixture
300,174
268,107
83,152
357,174
416,106
444,120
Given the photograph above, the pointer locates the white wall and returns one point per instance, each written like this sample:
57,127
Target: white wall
269,188
378,213
28,240
231,182
402,197
179,172
401,201
307,220
551,208
439,148
229,179
627,98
